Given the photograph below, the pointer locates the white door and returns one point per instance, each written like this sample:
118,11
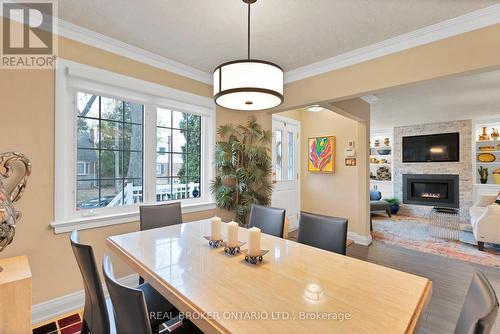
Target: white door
286,168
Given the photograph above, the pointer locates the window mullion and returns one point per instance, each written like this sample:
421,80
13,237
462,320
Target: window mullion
149,182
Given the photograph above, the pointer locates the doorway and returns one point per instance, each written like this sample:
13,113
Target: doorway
286,168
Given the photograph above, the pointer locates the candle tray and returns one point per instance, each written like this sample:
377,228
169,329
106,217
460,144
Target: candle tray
254,259
214,243
232,250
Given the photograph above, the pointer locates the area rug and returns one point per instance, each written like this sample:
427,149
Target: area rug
413,233
72,324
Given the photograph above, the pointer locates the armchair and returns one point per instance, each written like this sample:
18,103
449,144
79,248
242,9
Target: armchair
485,221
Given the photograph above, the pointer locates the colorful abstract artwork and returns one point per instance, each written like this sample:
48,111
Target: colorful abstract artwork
322,154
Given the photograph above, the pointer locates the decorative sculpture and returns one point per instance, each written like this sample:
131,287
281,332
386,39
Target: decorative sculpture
8,214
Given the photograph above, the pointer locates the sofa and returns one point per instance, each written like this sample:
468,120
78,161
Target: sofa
485,220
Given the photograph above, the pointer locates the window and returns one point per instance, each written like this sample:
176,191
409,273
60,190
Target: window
82,168
110,137
127,142
279,155
290,156
178,137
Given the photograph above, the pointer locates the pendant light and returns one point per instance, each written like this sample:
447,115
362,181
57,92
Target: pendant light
248,84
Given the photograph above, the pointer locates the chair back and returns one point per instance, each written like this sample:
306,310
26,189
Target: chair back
480,308
269,220
328,233
375,195
95,313
154,216
129,304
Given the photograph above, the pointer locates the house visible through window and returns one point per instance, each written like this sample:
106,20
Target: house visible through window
178,155
135,142
109,152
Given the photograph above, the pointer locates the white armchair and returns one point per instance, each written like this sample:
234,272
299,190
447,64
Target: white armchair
485,221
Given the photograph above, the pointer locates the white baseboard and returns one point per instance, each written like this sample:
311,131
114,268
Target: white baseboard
359,239
70,302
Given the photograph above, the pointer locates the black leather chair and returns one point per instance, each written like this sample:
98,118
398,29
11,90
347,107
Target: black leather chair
328,233
132,307
154,216
480,308
269,220
97,310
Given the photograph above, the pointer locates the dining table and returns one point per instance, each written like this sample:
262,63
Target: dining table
295,289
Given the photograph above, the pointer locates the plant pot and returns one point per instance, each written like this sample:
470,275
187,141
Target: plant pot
394,209
483,181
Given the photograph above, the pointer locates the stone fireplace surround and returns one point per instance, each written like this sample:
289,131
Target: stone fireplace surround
463,168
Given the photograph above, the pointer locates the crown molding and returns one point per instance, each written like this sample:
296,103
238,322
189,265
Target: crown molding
458,25
103,42
452,27
95,39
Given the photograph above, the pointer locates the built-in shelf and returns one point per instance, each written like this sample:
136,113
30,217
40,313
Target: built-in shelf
491,187
384,186
382,148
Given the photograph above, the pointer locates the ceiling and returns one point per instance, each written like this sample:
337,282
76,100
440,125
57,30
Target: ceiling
468,97
291,33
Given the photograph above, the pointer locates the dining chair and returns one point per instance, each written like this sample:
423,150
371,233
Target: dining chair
133,309
480,308
154,216
269,220
97,309
325,232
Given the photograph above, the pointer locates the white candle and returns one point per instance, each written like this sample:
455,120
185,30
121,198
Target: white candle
254,241
232,234
215,228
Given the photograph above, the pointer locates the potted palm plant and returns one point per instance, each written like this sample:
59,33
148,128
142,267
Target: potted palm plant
243,168
394,202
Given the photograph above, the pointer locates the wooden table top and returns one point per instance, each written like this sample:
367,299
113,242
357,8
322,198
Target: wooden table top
296,289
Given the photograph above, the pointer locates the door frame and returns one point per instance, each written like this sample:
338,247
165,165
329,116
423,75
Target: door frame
297,160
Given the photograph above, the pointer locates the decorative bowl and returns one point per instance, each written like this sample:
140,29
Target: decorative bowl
385,151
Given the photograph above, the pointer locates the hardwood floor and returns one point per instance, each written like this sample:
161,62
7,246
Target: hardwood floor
450,280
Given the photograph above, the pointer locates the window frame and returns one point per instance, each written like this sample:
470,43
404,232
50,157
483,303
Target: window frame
72,77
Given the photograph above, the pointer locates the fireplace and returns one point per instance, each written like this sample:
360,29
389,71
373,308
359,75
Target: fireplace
440,190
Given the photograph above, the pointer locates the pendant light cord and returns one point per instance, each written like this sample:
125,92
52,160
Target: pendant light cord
248,30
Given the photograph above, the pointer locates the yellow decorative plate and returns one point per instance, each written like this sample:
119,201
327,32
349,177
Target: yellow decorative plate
486,157
486,148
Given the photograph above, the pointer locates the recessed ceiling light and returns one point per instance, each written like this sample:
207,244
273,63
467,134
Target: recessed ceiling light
315,108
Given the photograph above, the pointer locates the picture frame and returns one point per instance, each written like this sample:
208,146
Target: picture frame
321,154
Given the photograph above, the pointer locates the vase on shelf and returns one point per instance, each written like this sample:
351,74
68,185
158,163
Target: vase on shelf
496,176
483,174
387,142
484,135
494,134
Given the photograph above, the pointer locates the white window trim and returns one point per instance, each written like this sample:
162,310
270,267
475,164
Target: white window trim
70,77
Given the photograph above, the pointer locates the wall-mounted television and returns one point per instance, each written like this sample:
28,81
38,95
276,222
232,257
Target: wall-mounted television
444,147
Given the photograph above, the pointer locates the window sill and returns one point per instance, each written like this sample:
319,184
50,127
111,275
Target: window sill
83,223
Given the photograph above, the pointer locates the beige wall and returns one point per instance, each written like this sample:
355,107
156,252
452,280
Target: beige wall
344,193
477,50
27,121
